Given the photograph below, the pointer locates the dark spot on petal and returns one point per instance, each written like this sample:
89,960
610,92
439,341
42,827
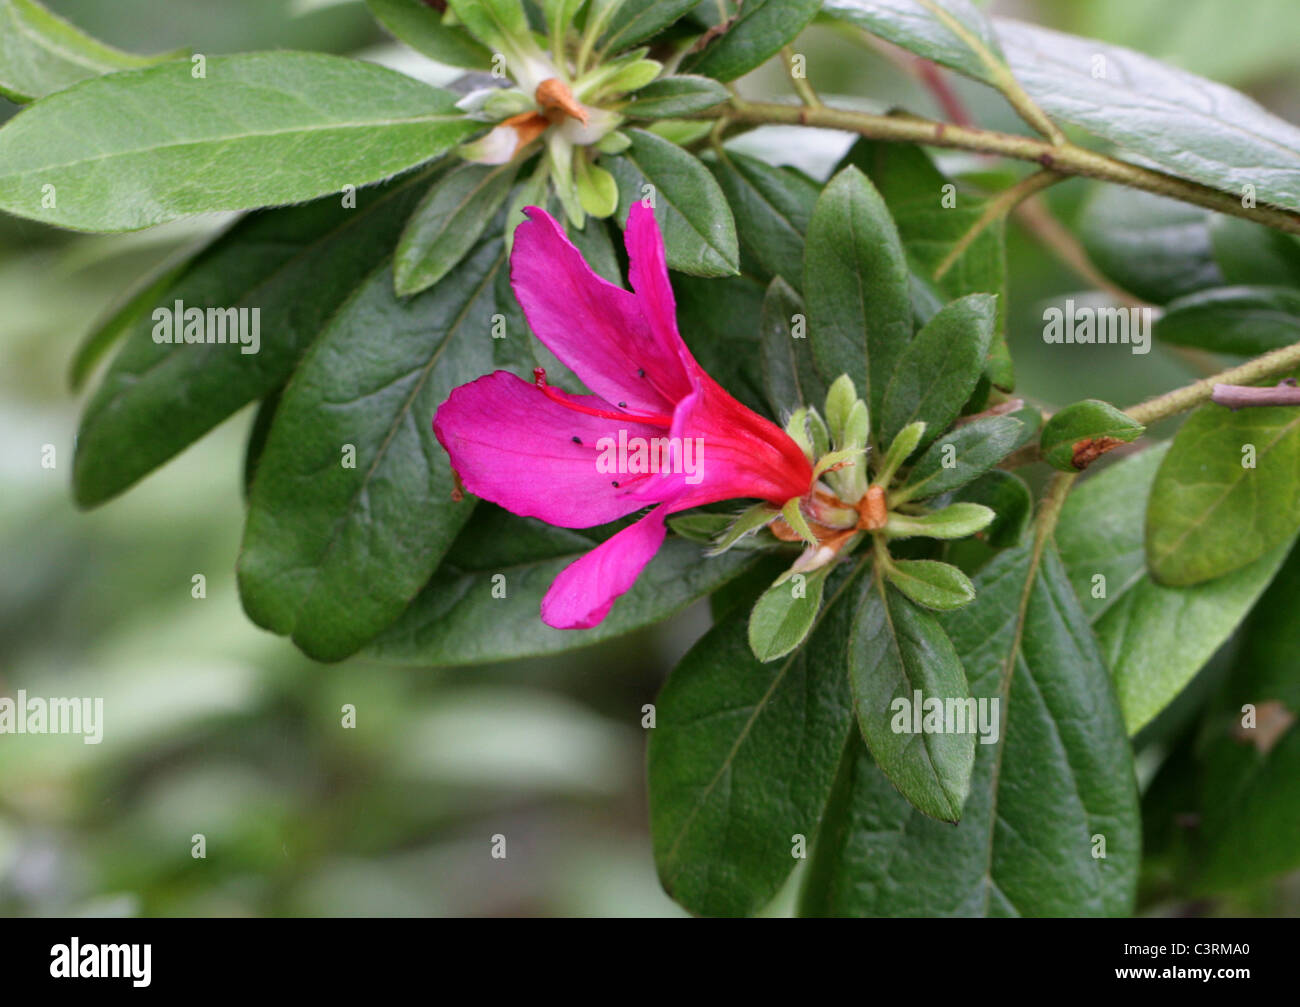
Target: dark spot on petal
615,484
577,440
640,372
622,405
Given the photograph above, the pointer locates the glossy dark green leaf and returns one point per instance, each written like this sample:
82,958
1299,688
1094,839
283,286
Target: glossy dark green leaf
670,96
856,285
1249,771
962,455
772,207
790,376
41,53
932,215
1153,247
1240,320
456,620
1056,782
1072,435
636,20
742,758
699,232
784,616
447,223
1210,513
259,129
901,665
297,266
1009,498
937,372
138,301
420,26
322,521
720,321
756,33
1250,254
1154,638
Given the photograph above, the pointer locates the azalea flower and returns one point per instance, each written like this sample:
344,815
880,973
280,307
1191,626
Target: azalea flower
536,450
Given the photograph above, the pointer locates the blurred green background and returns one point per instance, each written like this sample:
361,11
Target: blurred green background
215,727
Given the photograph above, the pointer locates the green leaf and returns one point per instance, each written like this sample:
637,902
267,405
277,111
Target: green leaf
772,207
1248,781
857,287
447,223
961,456
1190,126
41,53
720,320
743,526
675,96
785,614
931,223
742,758
1071,435
297,266
321,521
750,38
928,582
1009,498
636,20
938,370
1209,513
420,26
917,26
1154,638
954,521
699,232
901,663
456,620
116,322
1240,320
260,129
790,376
1255,255
495,23
1154,247
1059,774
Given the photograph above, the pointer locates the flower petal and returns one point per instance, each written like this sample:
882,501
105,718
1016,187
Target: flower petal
596,328
728,452
587,588
513,445
648,273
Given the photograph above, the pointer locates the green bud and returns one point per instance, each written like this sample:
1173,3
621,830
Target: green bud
797,427
821,438
839,400
904,444
614,143
597,189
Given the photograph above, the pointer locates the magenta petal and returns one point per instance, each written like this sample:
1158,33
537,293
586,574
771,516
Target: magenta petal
648,273
514,446
596,328
587,588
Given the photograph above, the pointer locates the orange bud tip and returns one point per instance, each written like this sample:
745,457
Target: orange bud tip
554,96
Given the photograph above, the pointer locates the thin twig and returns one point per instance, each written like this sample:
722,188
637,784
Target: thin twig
996,208
800,84
1284,393
1065,159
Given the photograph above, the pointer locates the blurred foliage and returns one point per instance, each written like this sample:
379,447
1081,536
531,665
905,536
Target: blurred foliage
214,727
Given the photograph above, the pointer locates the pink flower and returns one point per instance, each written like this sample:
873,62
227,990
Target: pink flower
537,451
